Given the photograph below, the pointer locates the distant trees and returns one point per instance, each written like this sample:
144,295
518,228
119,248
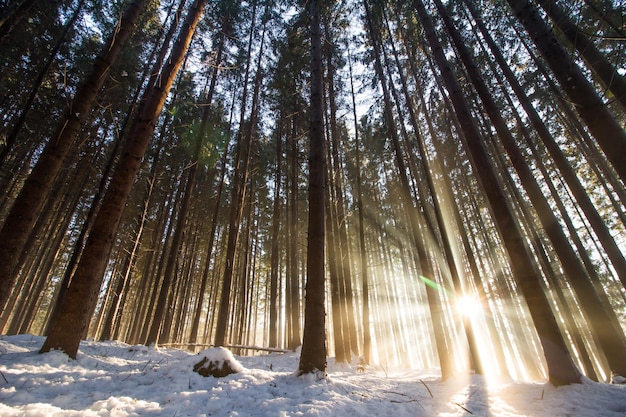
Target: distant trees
332,175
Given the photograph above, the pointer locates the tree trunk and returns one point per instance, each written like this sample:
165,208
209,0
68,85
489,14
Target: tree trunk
423,260
602,124
445,235
165,298
80,301
238,196
292,286
591,305
313,355
274,254
596,60
365,319
29,202
561,367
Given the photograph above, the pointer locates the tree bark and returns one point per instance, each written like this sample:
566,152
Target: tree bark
596,60
29,202
602,124
561,367
78,305
238,196
313,355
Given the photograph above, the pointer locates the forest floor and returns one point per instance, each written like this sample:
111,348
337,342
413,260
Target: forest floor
116,379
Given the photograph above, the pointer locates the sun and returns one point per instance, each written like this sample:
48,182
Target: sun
469,307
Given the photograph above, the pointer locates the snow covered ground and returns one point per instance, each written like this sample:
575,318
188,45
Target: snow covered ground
115,379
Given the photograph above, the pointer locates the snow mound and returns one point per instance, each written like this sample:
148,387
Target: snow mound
218,362
617,378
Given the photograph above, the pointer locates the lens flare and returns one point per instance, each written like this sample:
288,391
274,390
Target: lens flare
469,307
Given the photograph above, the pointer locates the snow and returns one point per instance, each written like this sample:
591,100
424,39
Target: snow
116,379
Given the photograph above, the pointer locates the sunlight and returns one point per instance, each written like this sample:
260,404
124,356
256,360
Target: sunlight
469,307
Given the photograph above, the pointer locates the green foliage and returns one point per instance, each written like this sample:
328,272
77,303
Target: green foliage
213,136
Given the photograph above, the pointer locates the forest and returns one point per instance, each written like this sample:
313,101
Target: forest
425,184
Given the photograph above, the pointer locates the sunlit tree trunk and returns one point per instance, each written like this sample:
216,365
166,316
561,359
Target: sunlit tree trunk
78,305
416,229
602,124
444,233
28,204
364,270
209,252
591,304
561,367
274,255
340,220
292,286
596,60
337,312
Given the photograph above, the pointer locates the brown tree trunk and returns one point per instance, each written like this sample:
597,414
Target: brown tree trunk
602,124
596,60
274,255
313,355
292,286
337,310
238,196
416,229
29,202
365,298
561,367
78,305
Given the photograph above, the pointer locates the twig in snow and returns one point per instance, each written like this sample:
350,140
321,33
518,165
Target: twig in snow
427,389
4,377
147,363
463,408
394,392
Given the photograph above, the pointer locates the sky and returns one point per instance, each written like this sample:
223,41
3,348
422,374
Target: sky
116,379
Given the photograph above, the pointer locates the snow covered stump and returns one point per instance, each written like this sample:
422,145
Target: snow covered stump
218,362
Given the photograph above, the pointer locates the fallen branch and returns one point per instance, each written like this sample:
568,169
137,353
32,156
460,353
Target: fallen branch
463,408
427,389
265,349
394,392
